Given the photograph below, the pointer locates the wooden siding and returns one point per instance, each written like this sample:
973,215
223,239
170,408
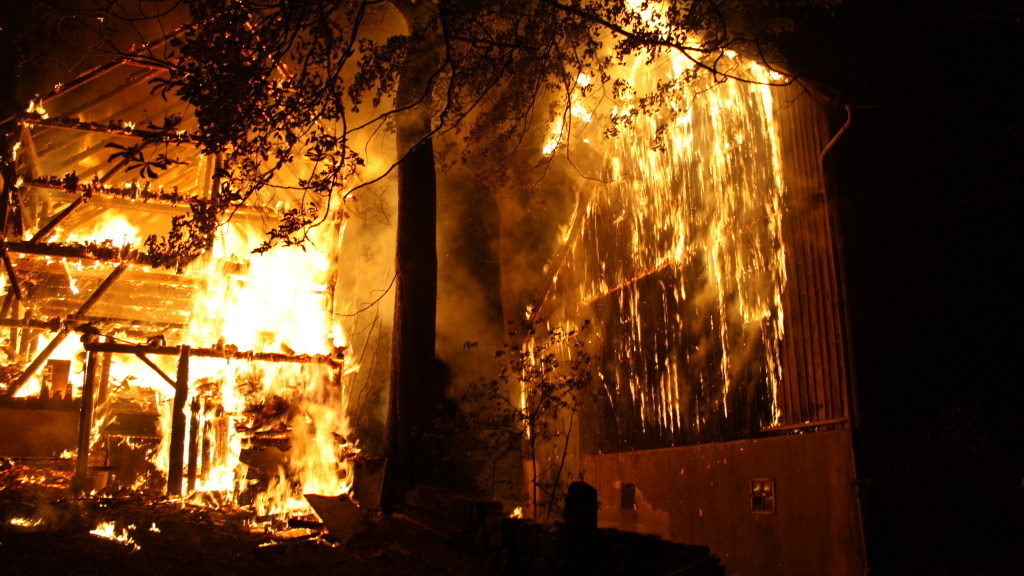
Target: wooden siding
815,368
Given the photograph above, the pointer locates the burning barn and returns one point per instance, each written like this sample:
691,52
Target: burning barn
174,368
675,270
692,273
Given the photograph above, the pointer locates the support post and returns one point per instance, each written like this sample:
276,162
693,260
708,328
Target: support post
206,451
104,384
177,451
85,418
15,333
193,445
23,340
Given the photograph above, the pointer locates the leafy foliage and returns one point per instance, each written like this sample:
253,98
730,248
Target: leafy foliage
276,83
551,368
192,234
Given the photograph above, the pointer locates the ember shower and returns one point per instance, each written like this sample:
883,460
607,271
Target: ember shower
675,251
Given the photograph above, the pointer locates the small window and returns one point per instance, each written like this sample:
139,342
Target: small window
627,497
762,496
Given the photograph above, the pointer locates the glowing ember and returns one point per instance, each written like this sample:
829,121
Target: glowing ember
25,522
108,531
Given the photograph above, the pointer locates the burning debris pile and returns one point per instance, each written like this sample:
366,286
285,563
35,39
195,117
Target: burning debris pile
45,529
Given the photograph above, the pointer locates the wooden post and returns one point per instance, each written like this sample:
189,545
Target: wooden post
104,383
193,445
177,455
85,418
26,340
207,450
17,342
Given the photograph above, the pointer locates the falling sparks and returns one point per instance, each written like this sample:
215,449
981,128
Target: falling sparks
682,248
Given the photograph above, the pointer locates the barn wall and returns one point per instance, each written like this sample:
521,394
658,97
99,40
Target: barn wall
815,372
702,495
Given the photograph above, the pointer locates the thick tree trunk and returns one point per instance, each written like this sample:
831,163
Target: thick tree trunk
413,394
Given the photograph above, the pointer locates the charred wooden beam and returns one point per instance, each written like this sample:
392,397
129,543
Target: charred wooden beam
101,290
10,309
146,327
66,329
104,382
38,361
206,451
144,194
85,418
155,368
193,445
136,327
6,308
95,252
227,353
11,276
177,448
11,215
114,129
47,229
26,343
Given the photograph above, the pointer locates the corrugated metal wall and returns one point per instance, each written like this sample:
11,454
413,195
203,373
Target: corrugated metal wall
815,366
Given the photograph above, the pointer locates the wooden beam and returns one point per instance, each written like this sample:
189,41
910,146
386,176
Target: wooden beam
47,229
85,420
177,449
104,383
31,324
227,353
155,368
11,276
140,196
193,445
167,137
